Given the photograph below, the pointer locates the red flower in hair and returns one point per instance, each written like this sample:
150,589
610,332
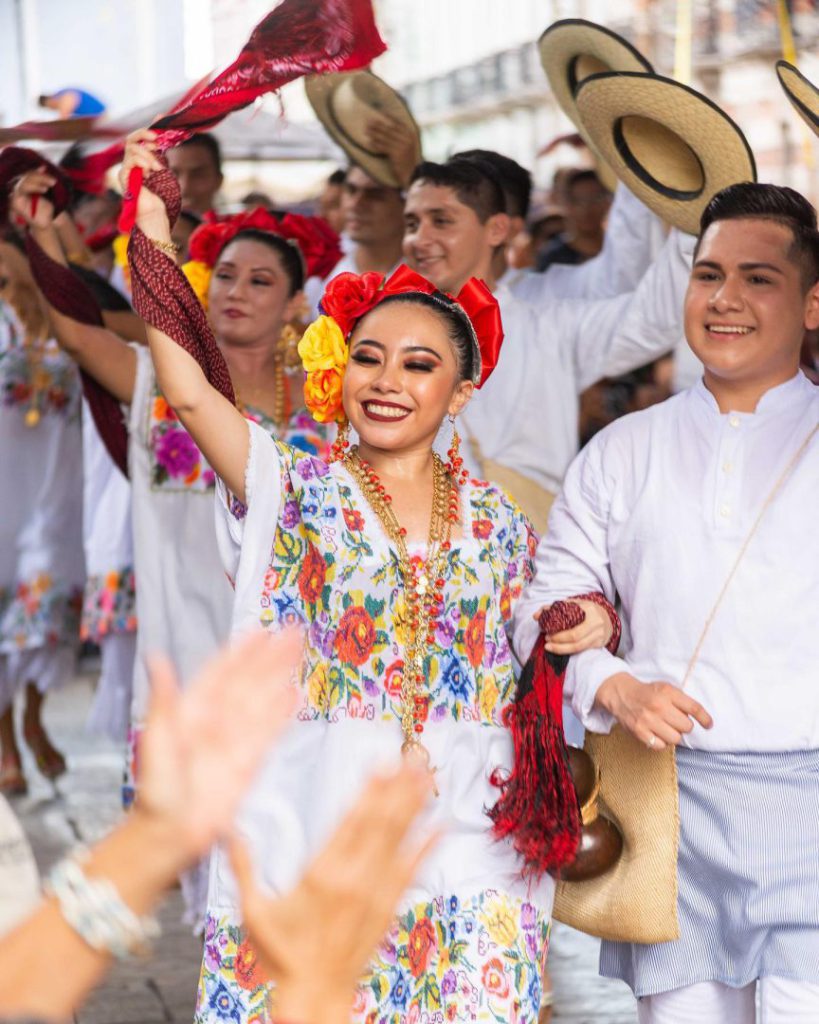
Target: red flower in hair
317,241
208,240
349,296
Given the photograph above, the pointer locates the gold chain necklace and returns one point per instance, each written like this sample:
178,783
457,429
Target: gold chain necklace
423,583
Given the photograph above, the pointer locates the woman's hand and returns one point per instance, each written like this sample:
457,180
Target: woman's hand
342,906
594,631
657,714
141,152
28,199
201,749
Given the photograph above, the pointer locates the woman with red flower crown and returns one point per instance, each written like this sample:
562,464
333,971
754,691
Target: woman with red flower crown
249,271
392,662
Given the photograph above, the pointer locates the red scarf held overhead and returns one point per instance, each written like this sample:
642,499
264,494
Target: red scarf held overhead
299,37
163,297
538,808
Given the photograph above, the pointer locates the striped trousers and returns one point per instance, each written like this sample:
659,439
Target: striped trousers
748,877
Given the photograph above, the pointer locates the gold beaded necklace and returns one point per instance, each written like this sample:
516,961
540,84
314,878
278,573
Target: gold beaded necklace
422,580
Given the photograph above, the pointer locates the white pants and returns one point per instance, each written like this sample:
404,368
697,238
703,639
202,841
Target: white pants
780,1002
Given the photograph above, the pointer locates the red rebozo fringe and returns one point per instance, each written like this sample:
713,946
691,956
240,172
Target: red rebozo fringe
538,806
164,299
69,295
298,37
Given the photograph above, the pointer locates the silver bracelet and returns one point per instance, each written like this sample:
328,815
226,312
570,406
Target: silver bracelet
97,913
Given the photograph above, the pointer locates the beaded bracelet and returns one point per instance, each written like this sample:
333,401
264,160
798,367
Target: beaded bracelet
97,913
169,248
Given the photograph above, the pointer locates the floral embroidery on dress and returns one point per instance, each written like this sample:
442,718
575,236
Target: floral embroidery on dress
325,573
177,463
49,383
109,604
447,959
39,613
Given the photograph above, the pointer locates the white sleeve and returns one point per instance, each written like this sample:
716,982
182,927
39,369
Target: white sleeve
634,237
614,336
245,532
572,558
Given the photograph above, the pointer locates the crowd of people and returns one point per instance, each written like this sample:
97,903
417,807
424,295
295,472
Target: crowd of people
383,451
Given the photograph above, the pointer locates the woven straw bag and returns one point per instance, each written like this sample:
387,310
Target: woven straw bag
636,900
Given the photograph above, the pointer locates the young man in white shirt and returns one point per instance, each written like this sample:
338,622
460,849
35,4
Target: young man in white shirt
522,426
657,510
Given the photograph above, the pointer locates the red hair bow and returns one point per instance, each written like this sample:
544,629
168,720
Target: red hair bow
317,242
349,296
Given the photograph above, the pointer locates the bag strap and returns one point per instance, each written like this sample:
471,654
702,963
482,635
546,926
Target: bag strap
786,472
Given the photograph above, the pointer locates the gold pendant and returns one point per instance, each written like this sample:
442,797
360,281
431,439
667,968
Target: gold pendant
32,417
412,748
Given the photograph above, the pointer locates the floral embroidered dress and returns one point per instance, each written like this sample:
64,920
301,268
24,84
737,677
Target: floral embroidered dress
109,606
41,556
471,938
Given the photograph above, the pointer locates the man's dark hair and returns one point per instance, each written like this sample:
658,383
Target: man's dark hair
515,180
778,204
476,186
578,177
337,177
208,142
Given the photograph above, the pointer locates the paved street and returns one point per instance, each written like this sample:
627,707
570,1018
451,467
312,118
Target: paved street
83,805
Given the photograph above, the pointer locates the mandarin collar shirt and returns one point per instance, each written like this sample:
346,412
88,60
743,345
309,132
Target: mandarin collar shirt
655,511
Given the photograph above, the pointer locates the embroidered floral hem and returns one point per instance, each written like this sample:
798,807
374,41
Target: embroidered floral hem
476,959
109,605
39,612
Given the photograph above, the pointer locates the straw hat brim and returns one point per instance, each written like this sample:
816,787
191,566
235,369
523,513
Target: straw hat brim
573,49
802,93
364,96
669,144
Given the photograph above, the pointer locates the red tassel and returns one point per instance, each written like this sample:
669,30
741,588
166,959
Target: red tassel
127,216
538,807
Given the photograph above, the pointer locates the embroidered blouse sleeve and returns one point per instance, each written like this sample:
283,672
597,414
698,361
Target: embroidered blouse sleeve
244,532
520,563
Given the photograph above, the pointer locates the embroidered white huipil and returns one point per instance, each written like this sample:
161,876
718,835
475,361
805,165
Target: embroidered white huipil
655,509
41,559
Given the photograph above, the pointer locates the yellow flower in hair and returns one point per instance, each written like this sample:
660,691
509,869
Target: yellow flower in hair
322,395
323,346
198,275
120,247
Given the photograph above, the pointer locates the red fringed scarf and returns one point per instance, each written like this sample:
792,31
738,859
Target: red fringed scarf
163,297
538,806
299,37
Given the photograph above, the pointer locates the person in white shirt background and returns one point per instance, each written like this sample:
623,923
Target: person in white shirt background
658,509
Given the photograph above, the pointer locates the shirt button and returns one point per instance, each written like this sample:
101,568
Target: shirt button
727,467
734,421
725,511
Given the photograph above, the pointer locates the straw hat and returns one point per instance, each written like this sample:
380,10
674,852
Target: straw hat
347,103
573,49
671,145
803,94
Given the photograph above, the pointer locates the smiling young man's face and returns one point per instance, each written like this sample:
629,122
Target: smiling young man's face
747,307
444,239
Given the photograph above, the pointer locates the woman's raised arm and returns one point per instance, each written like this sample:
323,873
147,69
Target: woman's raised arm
100,352
214,422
